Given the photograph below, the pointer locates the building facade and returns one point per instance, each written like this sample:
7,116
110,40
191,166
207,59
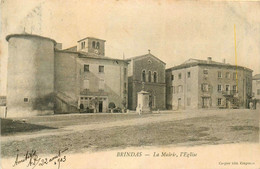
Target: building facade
30,75
43,78
85,77
146,72
256,90
199,84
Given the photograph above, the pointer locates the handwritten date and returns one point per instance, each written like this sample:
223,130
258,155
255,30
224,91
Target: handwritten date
33,160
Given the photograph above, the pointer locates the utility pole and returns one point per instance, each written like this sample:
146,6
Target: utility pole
235,54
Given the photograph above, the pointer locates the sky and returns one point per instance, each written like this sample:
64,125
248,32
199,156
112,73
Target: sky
174,31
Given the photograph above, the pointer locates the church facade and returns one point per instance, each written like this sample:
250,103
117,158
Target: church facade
147,73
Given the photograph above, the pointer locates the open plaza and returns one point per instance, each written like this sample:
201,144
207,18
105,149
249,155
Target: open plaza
96,132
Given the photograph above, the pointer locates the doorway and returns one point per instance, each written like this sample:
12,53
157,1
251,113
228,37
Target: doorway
179,103
100,107
205,102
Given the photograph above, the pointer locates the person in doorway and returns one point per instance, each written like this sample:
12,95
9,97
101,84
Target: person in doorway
251,105
81,107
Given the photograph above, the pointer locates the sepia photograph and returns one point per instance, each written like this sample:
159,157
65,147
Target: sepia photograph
95,84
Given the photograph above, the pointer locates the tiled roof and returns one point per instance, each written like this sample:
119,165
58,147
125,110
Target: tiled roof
256,77
149,54
72,49
196,62
92,38
89,55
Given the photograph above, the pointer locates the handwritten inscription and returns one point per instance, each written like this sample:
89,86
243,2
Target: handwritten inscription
33,160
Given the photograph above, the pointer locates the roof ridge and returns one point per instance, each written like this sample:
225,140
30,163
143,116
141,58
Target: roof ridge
136,57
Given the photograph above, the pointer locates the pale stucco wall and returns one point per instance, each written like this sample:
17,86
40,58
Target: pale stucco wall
30,75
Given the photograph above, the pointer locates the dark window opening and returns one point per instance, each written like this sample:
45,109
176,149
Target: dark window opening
93,44
101,69
143,76
188,74
98,45
86,68
172,77
155,77
150,76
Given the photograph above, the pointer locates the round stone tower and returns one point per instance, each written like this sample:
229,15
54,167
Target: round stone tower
30,75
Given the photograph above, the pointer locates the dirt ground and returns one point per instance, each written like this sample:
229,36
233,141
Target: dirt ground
81,133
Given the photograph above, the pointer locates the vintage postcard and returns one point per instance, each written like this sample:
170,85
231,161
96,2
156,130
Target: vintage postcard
95,84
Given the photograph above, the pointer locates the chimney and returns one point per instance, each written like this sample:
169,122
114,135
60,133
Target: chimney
224,60
209,59
58,46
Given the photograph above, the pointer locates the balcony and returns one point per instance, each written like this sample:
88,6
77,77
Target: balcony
229,93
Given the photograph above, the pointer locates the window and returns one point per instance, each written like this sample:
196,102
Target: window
101,84
173,90
98,45
205,71
101,69
179,75
143,76
149,76
180,89
125,85
227,87
235,88
188,101
172,77
228,75
26,100
86,68
219,74
94,44
219,87
86,84
125,72
154,77
82,45
219,101
258,91
188,74
205,87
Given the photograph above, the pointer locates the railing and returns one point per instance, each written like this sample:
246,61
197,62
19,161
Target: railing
229,92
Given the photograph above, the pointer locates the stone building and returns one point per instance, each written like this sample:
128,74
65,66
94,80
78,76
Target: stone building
148,72
256,90
43,79
30,75
208,84
85,76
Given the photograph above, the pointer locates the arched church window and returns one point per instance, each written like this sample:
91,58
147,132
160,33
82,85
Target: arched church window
143,76
93,44
155,77
98,45
149,76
